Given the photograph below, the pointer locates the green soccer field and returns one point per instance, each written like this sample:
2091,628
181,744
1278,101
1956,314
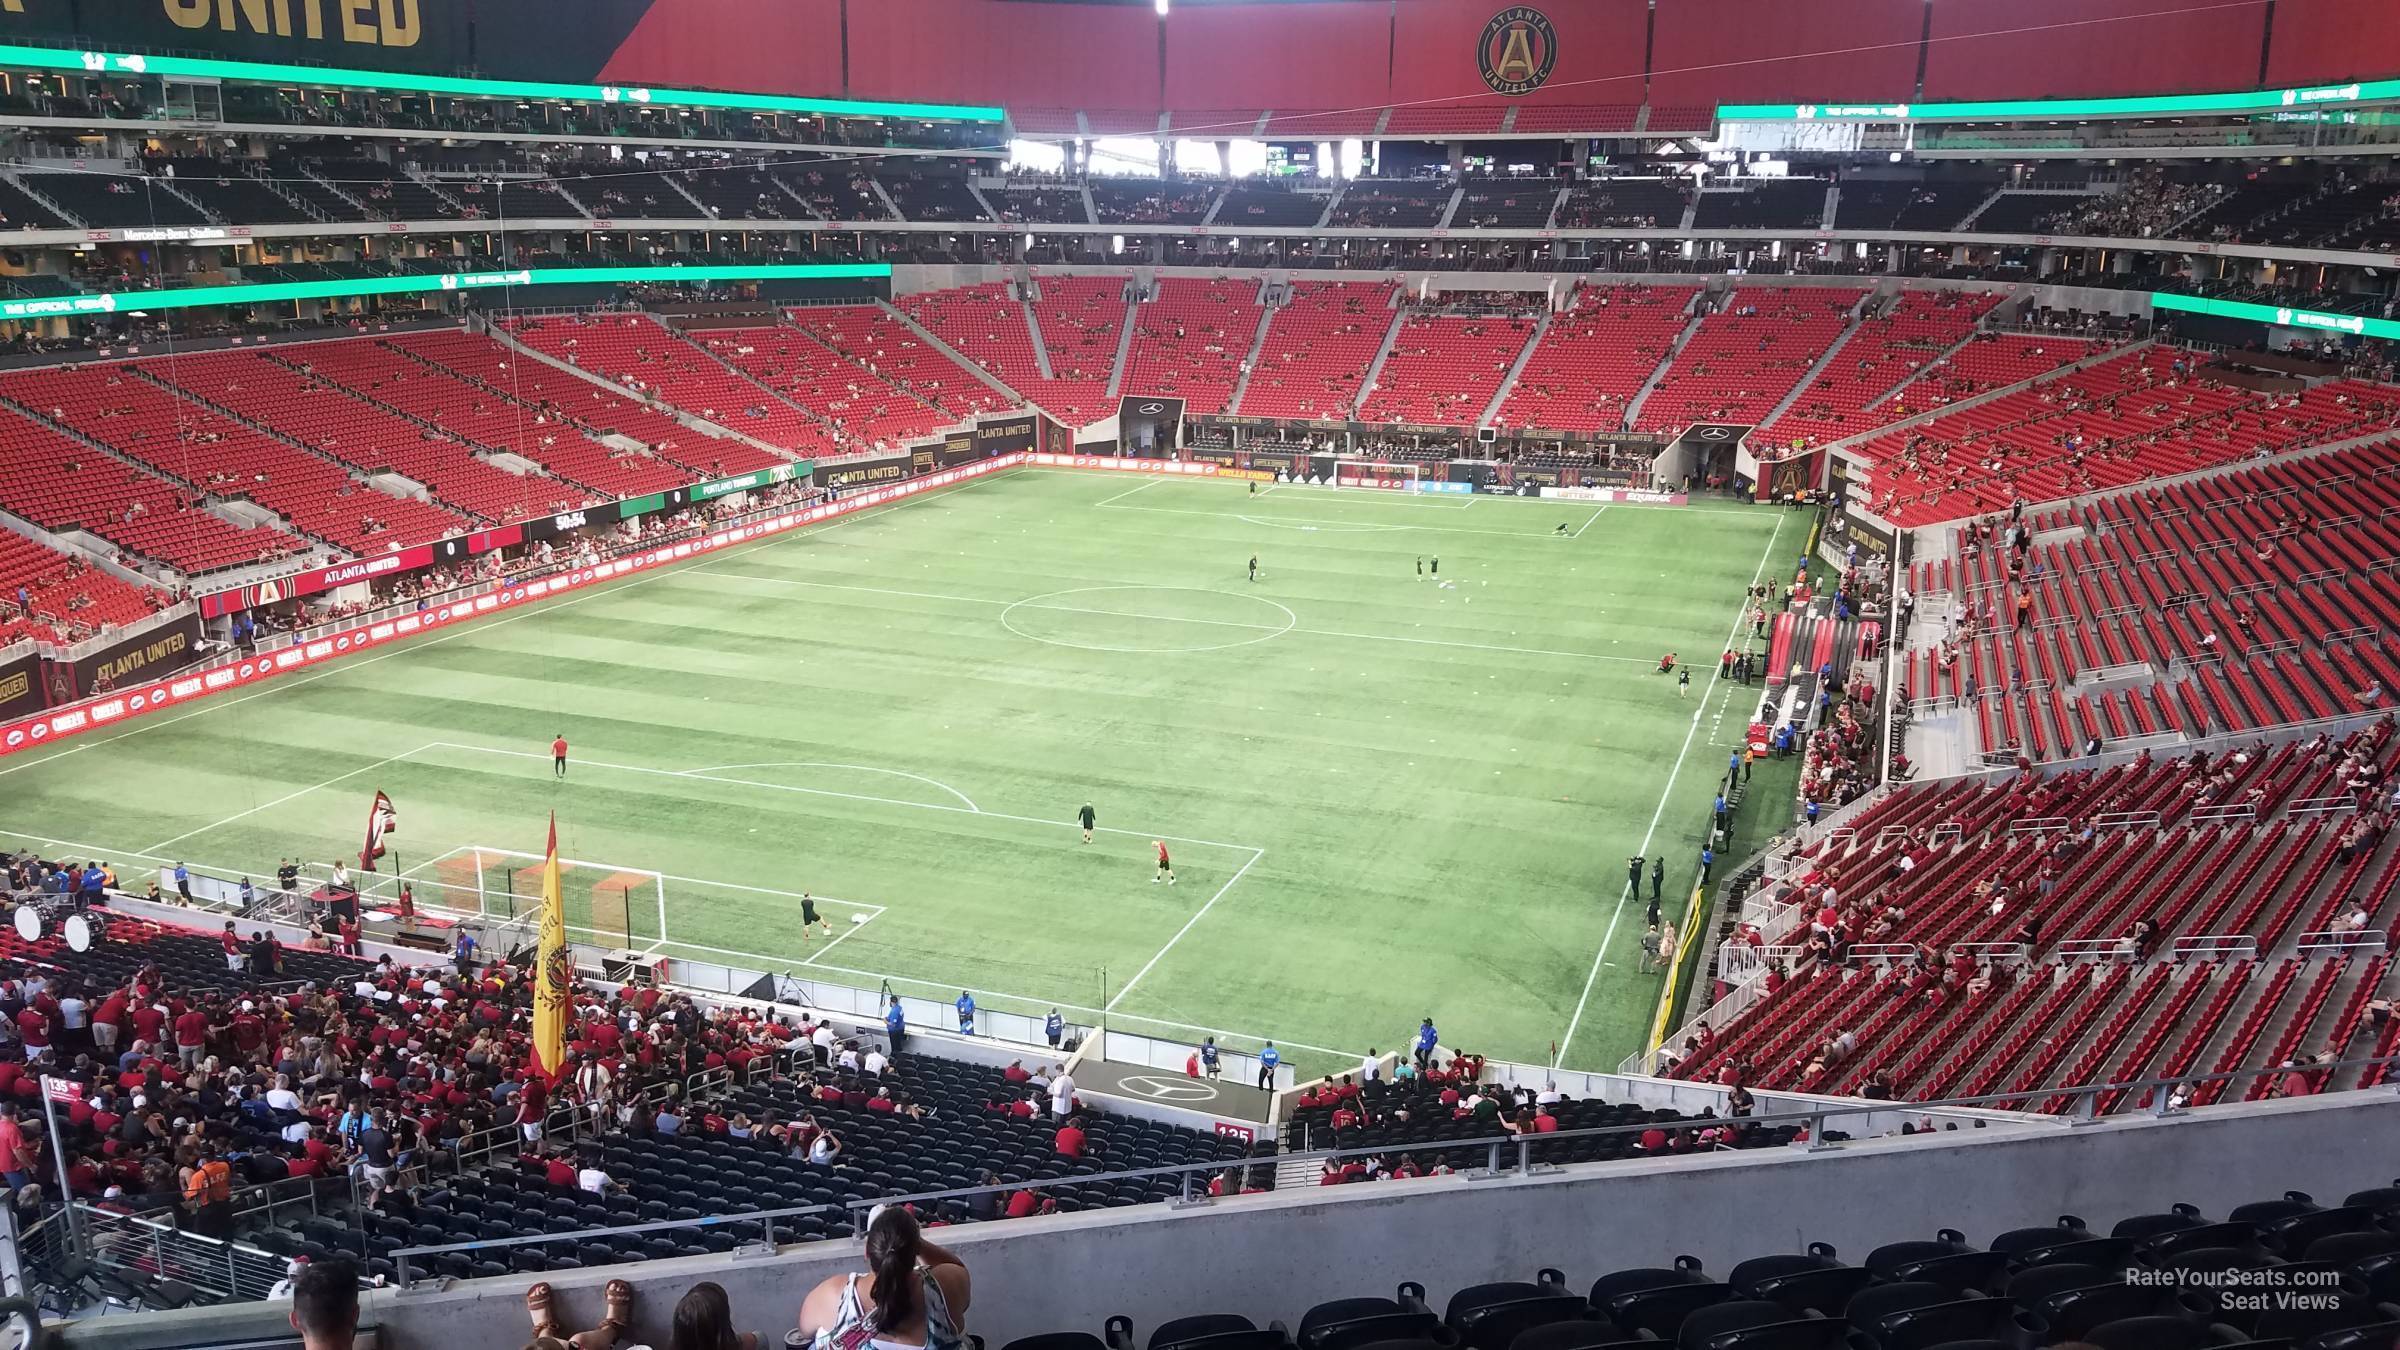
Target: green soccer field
1387,796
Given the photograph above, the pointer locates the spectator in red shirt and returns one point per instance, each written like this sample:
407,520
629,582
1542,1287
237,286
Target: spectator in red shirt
191,1035
33,1028
1069,1140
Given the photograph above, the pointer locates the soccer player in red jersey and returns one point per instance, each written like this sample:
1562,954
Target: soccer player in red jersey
1166,866
558,756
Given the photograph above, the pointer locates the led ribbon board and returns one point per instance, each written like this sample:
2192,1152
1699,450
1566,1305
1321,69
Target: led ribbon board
2005,110
2355,325
116,302
395,82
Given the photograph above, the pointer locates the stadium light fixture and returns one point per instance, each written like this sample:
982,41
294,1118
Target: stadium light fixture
1162,8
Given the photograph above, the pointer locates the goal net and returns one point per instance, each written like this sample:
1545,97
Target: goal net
605,903
1369,473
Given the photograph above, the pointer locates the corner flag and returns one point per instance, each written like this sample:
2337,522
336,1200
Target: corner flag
381,820
554,969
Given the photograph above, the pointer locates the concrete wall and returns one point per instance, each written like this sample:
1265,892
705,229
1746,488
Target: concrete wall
1273,1256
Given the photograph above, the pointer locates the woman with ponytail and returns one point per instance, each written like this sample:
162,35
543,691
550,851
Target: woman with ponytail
916,1294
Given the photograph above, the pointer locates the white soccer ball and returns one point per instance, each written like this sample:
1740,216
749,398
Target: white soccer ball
858,918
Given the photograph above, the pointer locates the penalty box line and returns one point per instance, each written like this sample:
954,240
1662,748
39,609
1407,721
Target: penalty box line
1223,1033
703,776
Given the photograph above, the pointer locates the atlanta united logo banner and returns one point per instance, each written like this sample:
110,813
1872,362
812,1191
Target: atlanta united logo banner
554,969
1517,51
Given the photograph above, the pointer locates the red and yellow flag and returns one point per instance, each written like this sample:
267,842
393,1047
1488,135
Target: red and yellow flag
554,969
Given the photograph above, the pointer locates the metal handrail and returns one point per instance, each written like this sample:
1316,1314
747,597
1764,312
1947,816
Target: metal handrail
2087,1097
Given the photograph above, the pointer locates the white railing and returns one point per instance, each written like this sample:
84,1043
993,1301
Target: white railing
2341,942
2214,947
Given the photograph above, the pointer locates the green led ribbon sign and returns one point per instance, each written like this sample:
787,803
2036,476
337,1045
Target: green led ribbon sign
2162,105
2355,325
126,302
395,82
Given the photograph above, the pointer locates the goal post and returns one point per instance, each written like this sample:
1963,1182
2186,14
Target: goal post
607,903
1376,473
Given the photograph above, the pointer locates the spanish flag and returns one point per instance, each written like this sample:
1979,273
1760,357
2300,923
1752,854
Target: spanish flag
554,970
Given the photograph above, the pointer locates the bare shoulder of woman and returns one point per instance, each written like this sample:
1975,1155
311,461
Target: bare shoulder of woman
957,1289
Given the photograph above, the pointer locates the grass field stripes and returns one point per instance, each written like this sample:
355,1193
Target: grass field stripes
1389,794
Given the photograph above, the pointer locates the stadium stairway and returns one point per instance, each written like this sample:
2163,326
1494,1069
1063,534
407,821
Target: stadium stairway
1125,331
1633,406
526,352
930,339
1383,354
1817,368
1516,368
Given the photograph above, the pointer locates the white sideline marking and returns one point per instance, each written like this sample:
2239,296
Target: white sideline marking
1740,613
1179,618
289,796
1197,915
964,799
1139,487
610,587
1322,521
696,776
1587,524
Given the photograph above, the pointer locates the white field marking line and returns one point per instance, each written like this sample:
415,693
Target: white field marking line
1180,618
31,763
835,941
698,777
289,796
1586,524
1346,527
610,587
1139,487
963,798
1321,522
820,896
1197,916
100,851
1740,613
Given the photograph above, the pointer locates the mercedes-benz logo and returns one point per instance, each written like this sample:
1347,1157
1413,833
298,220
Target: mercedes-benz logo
1161,1089
1151,409
1715,434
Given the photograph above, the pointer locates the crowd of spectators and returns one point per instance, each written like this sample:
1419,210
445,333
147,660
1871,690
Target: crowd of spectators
2142,208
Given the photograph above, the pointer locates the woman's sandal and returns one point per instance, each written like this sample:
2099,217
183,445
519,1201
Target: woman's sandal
538,1303
617,1298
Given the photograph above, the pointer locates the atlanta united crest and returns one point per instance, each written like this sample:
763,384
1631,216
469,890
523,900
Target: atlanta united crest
1517,50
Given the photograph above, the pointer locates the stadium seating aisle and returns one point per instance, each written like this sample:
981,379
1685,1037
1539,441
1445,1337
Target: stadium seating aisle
503,372
2057,1282
1748,355
2148,412
1444,370
1190,339
62,484
1989,361
118,407
1318,347
1081,321
2243,598
870,338
861,411
373,371
1884,353
66,598
1595,356
306,400
643,356
2087,927
987,326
